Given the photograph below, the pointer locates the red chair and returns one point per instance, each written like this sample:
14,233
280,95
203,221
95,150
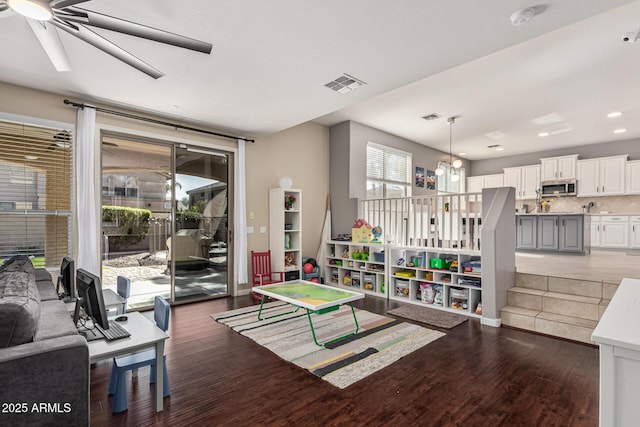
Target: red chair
261,273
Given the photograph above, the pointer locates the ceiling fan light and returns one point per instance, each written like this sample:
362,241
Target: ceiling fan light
457,163
34,9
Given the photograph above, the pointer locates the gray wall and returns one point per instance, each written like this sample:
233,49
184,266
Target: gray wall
349,162
343,209
591,151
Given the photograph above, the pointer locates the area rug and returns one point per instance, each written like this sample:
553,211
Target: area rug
430,316
380,341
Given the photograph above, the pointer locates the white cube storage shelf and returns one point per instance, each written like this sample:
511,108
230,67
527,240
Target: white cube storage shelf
385,272
457,295
346,266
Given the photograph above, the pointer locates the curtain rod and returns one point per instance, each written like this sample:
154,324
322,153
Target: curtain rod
158,122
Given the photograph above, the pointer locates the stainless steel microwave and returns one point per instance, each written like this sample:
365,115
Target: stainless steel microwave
565,187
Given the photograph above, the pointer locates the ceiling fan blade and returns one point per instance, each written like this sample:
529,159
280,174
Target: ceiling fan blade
50,41
59,4
138,30
105,45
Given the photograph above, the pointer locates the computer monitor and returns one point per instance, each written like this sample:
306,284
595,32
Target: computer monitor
65,280
90,298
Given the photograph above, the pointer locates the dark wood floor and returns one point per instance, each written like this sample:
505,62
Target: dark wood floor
474,376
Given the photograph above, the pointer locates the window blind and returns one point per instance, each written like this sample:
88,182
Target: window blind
388,172
36,164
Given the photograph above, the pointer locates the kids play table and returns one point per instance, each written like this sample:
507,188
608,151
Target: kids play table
315,298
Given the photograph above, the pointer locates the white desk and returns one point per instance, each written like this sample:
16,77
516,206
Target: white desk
618,336
144,334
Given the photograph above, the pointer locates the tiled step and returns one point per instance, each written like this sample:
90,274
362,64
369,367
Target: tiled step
519,317
557,306
564,285
525,298
557,325
571,305
565,326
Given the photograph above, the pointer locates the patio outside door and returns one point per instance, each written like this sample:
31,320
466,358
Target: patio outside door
199,245
164,220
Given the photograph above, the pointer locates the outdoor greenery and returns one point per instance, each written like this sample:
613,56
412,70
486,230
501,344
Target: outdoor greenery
133,222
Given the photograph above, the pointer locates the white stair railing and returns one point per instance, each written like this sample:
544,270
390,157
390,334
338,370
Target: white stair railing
450,221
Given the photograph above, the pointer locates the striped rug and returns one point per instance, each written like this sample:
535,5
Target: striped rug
380,341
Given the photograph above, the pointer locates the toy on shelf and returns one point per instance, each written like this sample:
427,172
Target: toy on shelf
289,200
361,231
437,295
377,232
427,294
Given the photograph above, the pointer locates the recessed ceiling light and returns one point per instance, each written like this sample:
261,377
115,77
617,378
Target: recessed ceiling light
522,16
499,148
462,154
619,131
543,134
614,114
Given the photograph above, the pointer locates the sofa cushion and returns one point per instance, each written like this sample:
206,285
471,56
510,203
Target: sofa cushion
55,321
18,263
19,307
46,289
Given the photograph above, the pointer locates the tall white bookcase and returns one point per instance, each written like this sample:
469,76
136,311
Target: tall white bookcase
285,231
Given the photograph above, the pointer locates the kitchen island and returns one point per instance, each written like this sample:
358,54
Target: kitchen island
554,232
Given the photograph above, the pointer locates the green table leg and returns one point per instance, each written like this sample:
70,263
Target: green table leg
275,315
327,310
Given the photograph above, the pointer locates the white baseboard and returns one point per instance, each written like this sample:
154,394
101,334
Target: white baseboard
491,322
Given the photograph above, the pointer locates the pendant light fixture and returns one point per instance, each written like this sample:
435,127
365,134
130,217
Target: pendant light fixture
455,177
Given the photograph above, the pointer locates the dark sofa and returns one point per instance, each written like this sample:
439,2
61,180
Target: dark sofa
44,363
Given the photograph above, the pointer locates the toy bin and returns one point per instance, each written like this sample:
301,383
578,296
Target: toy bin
459,298
378,256
440,263
402,288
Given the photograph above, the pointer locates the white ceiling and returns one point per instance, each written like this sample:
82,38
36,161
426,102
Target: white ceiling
271,59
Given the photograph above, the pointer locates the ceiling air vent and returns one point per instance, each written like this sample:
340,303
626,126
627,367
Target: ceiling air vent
345,83
432,116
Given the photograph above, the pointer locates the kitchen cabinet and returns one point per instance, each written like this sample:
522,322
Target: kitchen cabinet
634,237
633,177
570,233
494,181
525,179
561,232
614,231
548,232
556,168
604,176
475,184
526,231
595,231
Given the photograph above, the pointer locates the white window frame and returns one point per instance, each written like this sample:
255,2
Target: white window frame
386,181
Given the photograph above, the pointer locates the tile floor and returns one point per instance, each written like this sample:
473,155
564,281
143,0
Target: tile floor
601,265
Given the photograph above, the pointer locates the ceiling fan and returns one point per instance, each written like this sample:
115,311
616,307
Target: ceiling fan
44,16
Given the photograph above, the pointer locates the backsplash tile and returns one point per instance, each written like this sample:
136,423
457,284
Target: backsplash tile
611,204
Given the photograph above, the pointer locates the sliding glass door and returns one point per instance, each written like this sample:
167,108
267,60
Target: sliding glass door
164,220
199,245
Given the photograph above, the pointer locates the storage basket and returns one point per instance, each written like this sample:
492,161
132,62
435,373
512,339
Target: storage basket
459,293
378,256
